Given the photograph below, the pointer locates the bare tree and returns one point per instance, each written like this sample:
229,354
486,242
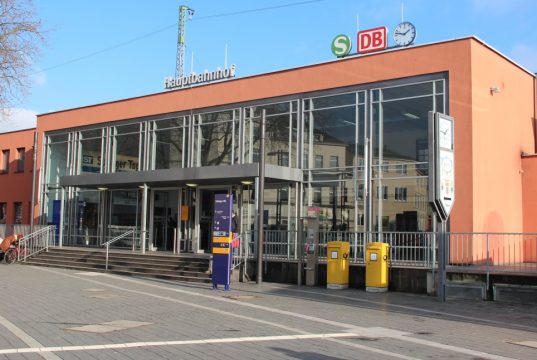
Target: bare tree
20,39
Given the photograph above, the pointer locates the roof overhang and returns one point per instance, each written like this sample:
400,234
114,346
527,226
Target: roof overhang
207,175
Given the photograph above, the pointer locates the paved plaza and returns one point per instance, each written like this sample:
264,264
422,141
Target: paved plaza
61,314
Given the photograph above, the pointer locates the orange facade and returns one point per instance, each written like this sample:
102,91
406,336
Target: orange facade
16,164
492,128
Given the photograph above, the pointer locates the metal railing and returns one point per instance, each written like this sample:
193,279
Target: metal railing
493,253
483,253
35,242
238,250
407,249
117,238
116,233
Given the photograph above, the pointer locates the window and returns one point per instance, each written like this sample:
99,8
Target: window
384,190
318,161
317,196
360,191
334,161
283,159
3,213
5,161
18,213
400,194
20,159
401,168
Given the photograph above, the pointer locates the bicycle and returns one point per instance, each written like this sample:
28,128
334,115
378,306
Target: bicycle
14,252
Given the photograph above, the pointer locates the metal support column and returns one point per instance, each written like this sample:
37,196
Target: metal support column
62,207
442,254
261,206
144,217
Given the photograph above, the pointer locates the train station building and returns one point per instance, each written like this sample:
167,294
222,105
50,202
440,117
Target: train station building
348,138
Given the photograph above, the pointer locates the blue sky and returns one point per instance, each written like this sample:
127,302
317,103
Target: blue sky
104,50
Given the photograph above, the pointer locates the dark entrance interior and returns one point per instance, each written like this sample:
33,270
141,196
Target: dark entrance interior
165,216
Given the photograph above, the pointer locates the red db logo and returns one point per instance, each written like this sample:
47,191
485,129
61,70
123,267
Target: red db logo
372,40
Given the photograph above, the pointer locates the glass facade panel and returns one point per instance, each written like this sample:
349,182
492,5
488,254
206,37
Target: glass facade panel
405,126
279,206
406,91
277,140
215,134
405,208
334,101
127,147
90,152
337,205
57,162
169,148
334,133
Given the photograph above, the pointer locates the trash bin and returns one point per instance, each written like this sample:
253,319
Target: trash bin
376,267
337,255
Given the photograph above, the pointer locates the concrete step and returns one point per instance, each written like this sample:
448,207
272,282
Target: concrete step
113,267
160,257
162,266
177,277
466,290
511,293
139,261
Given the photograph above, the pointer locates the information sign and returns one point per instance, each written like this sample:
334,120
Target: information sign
222,254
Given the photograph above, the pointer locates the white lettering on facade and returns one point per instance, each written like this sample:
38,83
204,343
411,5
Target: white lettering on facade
194,78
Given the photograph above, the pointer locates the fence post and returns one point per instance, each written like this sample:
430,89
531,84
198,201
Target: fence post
488,262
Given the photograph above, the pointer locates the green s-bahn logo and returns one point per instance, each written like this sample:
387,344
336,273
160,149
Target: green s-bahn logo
341,45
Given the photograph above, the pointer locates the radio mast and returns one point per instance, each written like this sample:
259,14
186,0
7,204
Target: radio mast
180,62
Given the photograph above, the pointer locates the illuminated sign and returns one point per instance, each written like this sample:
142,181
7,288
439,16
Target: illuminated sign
195,78
372,40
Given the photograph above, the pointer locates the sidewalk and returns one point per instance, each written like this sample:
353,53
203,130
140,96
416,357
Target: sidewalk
60,314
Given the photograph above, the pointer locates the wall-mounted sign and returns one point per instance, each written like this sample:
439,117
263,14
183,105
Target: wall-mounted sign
442,164
341,45
373,40
195,78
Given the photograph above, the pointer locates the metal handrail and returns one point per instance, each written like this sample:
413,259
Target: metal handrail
111,241
238,259
27,247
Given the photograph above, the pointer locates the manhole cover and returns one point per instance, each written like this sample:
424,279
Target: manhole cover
106,327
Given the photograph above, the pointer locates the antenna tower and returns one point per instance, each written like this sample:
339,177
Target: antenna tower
180,62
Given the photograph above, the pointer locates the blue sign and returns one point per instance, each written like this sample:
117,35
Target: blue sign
56,218
222,254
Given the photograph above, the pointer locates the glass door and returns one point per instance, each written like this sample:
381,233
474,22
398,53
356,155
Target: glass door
165,217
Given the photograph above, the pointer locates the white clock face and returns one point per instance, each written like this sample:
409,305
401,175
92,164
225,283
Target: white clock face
404,34
445,134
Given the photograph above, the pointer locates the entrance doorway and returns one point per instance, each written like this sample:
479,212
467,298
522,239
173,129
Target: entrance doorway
165,219
206,211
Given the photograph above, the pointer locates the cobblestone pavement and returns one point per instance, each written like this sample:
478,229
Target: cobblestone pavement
61,314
